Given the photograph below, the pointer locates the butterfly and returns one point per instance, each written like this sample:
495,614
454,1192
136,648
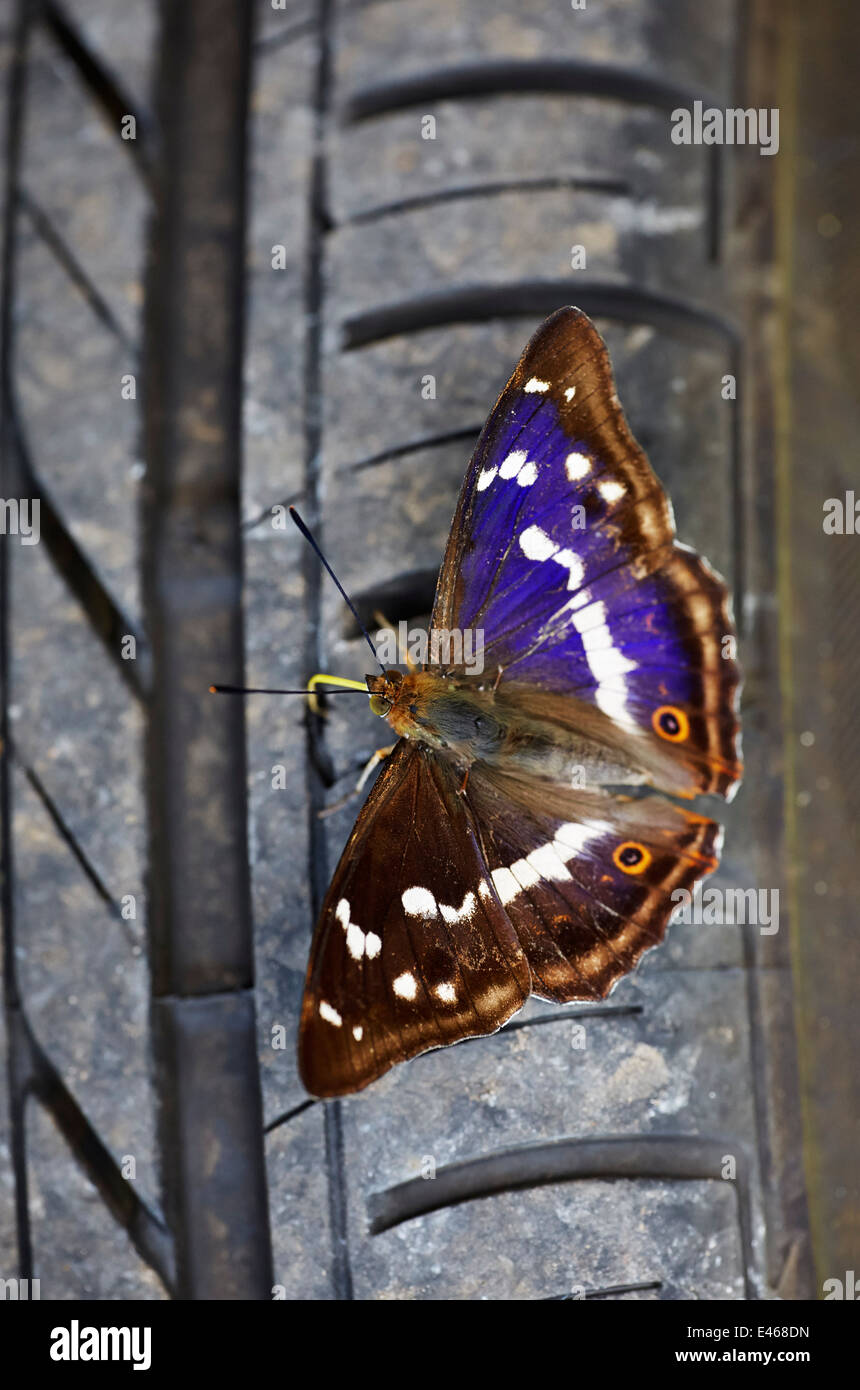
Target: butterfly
514,842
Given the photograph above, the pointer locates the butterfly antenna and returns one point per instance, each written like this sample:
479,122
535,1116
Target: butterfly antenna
341,590
341,688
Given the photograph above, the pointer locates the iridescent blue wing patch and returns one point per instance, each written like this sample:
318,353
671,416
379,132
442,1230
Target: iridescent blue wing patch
563,552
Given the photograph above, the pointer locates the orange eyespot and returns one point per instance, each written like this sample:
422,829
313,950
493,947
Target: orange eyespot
631,858
670,722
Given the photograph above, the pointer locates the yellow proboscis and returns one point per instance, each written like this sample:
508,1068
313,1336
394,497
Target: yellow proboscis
321,679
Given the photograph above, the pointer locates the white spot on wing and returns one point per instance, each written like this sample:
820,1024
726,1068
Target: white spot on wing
547,862
404,986
571,838
355,941
513,463
534,383
536,544
465,913
527,475
577,466
605,661
570,393
572,563
419,902
610,491
516,465
446,992
589,614
358,1032
525,873
506,885
329,1014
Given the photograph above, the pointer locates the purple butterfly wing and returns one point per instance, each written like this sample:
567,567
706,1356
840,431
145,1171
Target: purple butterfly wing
563,553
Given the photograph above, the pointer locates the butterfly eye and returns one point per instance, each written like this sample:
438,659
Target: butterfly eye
670,722
379,705
631,858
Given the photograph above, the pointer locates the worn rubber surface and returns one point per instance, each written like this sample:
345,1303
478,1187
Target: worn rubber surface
580,1150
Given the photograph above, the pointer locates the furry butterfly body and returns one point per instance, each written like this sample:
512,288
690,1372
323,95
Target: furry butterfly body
511,844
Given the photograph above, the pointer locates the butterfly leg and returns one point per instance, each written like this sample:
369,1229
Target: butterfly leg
378,757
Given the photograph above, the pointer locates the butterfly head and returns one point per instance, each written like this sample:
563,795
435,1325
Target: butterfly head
384,691
411,703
